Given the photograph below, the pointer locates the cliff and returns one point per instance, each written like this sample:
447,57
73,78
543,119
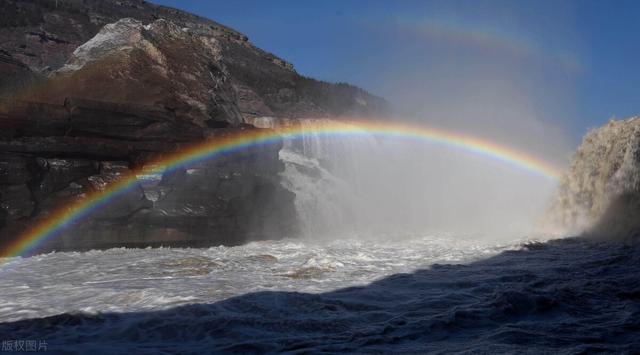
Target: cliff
600,194
43,35
94,89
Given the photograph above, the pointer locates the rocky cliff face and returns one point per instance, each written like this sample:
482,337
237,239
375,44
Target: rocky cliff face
53,155
600,194
94,89
44,35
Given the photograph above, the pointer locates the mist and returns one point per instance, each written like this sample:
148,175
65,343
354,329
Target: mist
374,186
510,90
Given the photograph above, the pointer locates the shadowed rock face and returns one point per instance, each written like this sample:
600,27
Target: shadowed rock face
84,146
600,194
94,89
15,75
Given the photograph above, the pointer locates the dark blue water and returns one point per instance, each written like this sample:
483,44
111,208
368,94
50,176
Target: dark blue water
567,296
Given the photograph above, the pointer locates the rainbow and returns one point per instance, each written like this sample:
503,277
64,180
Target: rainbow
65,217
468,33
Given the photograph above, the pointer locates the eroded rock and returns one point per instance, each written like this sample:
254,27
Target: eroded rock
123,84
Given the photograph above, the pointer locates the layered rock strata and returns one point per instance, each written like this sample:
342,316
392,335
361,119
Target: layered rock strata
95,89
47,167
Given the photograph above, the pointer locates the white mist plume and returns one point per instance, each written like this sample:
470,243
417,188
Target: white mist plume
513,99
377,186
402,186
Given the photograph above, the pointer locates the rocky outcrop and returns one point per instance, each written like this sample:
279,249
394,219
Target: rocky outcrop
96,89
43,168
223,74
600,194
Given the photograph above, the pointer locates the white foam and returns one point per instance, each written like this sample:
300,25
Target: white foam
122,280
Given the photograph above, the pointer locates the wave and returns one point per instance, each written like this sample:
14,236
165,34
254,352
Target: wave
564,296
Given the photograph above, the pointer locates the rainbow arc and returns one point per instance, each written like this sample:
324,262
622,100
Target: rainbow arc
67,216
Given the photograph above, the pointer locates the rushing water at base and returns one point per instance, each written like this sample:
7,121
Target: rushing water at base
124,280
567,296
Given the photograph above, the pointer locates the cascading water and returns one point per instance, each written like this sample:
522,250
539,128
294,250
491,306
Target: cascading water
326,173
321,171
324,203
375,186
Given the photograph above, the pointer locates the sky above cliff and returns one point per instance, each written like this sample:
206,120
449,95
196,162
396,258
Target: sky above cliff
555,67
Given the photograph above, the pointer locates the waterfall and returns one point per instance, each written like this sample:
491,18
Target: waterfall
354,185
323,171
325,204
333,177
366,185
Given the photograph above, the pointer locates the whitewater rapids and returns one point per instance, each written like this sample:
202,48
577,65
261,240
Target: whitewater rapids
129,280
424,295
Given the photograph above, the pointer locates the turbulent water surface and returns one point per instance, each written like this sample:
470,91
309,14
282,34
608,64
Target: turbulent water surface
149,279
414,295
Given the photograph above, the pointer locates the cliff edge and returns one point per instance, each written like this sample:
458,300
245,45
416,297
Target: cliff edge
241,79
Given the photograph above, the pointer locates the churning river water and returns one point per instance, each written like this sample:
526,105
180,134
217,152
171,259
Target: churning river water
124,280
414,295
